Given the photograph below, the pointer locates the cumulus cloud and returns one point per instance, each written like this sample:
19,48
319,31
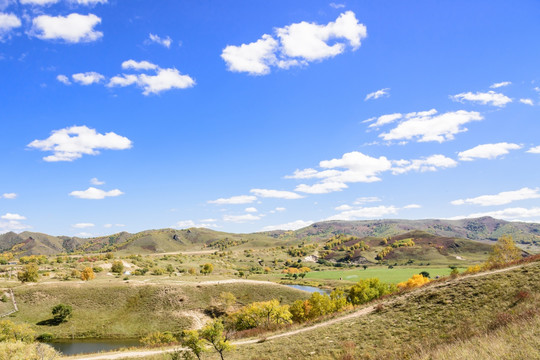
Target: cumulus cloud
526,101
296,44
87,78
63,79
251,210
9,195
343,207
73,28
431,163
8,22
489,98
241,218
488,151
89,2
501,84
10,216
185,224
294,225
412,206
83,225
108,226
234,200
278,194
321,188
166,41
428,126
377,94
534,150
523,214
138,65
12,222
502,198
93,193
366,199
375,212
72,143
162,80
96,181
38,2
385,119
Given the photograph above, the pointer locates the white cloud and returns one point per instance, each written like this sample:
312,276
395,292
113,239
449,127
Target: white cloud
254,58
108,226
63,79
250,210
412,206
502,198
278,209
489,98
83,225
89,2
39,2
241,218
165,79
10,216
366,199
386,119
336,6
377,94
184,224
523,214
234,200
426,126
375,212
343,207
534,150
501,84
526,101
299,44
278,194
72,143
73,28
8,22
122,80
9,195
138,65
88,78
96,181
431,163
321,188
488,151
294,225
95,194
166,41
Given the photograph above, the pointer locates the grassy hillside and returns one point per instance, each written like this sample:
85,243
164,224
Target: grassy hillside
131,310
452,314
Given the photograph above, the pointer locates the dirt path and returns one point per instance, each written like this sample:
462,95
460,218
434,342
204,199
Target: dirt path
361,312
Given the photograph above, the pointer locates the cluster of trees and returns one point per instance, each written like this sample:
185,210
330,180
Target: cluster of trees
337,240
504,251
226,243
415,281
383,253
265,314
404,242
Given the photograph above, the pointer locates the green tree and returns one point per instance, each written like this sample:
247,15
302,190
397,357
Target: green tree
61,313
213,333
29,274
192,340
207,268
504,251
261,314
369,289
117,267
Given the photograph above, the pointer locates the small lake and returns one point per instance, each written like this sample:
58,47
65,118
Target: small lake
87,346
310,289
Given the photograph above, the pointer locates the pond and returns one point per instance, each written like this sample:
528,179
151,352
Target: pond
87,346
310,289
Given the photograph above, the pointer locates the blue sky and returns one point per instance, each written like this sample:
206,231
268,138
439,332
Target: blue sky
251,115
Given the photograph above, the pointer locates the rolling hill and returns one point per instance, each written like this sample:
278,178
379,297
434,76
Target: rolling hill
483,229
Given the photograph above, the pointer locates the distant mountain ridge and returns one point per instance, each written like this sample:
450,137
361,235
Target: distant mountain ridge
170,240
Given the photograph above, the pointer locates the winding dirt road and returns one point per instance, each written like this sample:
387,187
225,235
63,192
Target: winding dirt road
361,312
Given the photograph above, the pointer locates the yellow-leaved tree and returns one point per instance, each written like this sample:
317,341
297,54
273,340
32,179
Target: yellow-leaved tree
504,251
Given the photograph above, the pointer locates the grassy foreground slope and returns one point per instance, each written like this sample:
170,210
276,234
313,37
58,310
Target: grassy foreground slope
129,310
449,313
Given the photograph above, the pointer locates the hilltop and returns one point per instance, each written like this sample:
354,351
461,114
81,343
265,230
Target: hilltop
485,229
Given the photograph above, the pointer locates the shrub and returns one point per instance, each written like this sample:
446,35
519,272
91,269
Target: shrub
264,314
29,274
158,338
10,332
61,312
87,274
413,282
369,289
117,267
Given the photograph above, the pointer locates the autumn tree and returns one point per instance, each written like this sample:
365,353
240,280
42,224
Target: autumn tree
29,274
191,340
504,251
213,332
88,274
117,267
369,289
207,268
261,314
416,280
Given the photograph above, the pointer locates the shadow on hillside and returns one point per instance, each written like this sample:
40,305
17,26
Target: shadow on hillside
49,322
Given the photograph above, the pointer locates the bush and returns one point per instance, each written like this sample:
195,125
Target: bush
61,312
414,281
10,332
117,267
29,274
158,338
369,289
45,337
